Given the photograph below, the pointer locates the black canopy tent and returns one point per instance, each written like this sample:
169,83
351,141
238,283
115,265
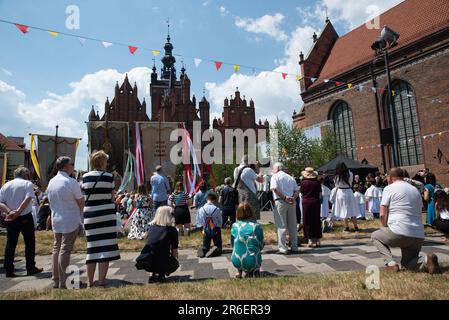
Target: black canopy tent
353,165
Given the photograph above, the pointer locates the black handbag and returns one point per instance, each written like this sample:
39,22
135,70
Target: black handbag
236,184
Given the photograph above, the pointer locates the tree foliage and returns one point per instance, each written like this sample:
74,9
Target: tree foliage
324,149
297,151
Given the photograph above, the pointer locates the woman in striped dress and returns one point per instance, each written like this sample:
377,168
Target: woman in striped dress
100,221
180,200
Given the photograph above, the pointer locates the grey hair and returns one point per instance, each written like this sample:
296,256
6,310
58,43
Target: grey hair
22,172
227,181
164,217
61,162
279,165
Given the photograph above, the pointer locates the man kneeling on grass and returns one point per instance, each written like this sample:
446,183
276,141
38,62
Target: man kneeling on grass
400,214
211,220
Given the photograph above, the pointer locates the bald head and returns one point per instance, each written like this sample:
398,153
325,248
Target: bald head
396,174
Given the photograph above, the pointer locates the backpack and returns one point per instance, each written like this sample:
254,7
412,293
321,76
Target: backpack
209,227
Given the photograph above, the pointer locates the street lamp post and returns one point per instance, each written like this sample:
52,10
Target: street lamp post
393,111
379,123
388,39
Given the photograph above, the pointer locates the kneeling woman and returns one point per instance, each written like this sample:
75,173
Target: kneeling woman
247,242
160,254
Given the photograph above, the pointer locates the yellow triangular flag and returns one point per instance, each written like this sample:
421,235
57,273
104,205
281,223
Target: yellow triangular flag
298,78
349,85
53,33
393,92
156,52
236,67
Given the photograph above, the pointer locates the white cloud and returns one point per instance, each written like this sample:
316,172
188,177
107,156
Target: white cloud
10,98
357,12
223,11
206,3
69,110
6,72
351,13
267,24
273,96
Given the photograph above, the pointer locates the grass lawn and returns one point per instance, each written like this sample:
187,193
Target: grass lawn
44,239
403,285
350,285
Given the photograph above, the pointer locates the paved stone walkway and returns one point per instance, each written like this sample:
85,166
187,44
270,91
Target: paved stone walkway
341,256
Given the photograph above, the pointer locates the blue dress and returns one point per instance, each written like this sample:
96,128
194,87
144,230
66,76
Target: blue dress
247,243
430,204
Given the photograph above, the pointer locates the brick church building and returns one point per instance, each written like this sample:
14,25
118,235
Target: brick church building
359,115
171,101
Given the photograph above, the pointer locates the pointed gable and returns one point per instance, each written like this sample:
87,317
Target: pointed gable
412,19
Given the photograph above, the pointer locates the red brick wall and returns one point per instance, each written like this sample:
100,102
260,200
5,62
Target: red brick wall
429,79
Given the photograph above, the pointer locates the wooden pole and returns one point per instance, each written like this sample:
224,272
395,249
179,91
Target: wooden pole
56,142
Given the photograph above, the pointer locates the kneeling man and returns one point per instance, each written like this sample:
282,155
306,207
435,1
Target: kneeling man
400,214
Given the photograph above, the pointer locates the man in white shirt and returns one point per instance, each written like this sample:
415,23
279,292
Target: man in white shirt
285,191
400,215
16,206
67,204
246,185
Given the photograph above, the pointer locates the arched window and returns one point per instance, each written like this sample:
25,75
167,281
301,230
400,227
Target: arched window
341,116
408,137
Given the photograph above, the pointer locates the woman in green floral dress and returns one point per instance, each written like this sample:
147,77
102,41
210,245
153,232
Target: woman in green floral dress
247,243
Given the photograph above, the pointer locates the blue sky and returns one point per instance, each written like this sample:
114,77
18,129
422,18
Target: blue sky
46,80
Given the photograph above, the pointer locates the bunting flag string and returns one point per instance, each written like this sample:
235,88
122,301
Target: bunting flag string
218,64
22,28
404,141
132,49
106,44
198,60
82,41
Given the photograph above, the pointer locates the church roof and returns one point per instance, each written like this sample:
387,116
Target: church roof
412,19
8,144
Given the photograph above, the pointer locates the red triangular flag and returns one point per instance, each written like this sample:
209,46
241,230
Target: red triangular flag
284,75
22,28
338,83
132,49
218,65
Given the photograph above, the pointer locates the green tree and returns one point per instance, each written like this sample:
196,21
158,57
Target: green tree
324,149
293,146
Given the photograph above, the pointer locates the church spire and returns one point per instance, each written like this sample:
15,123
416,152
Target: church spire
168,60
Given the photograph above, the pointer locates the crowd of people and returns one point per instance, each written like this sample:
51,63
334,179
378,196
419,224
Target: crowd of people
160,213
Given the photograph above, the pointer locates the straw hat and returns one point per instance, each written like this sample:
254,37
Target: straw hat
309,173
